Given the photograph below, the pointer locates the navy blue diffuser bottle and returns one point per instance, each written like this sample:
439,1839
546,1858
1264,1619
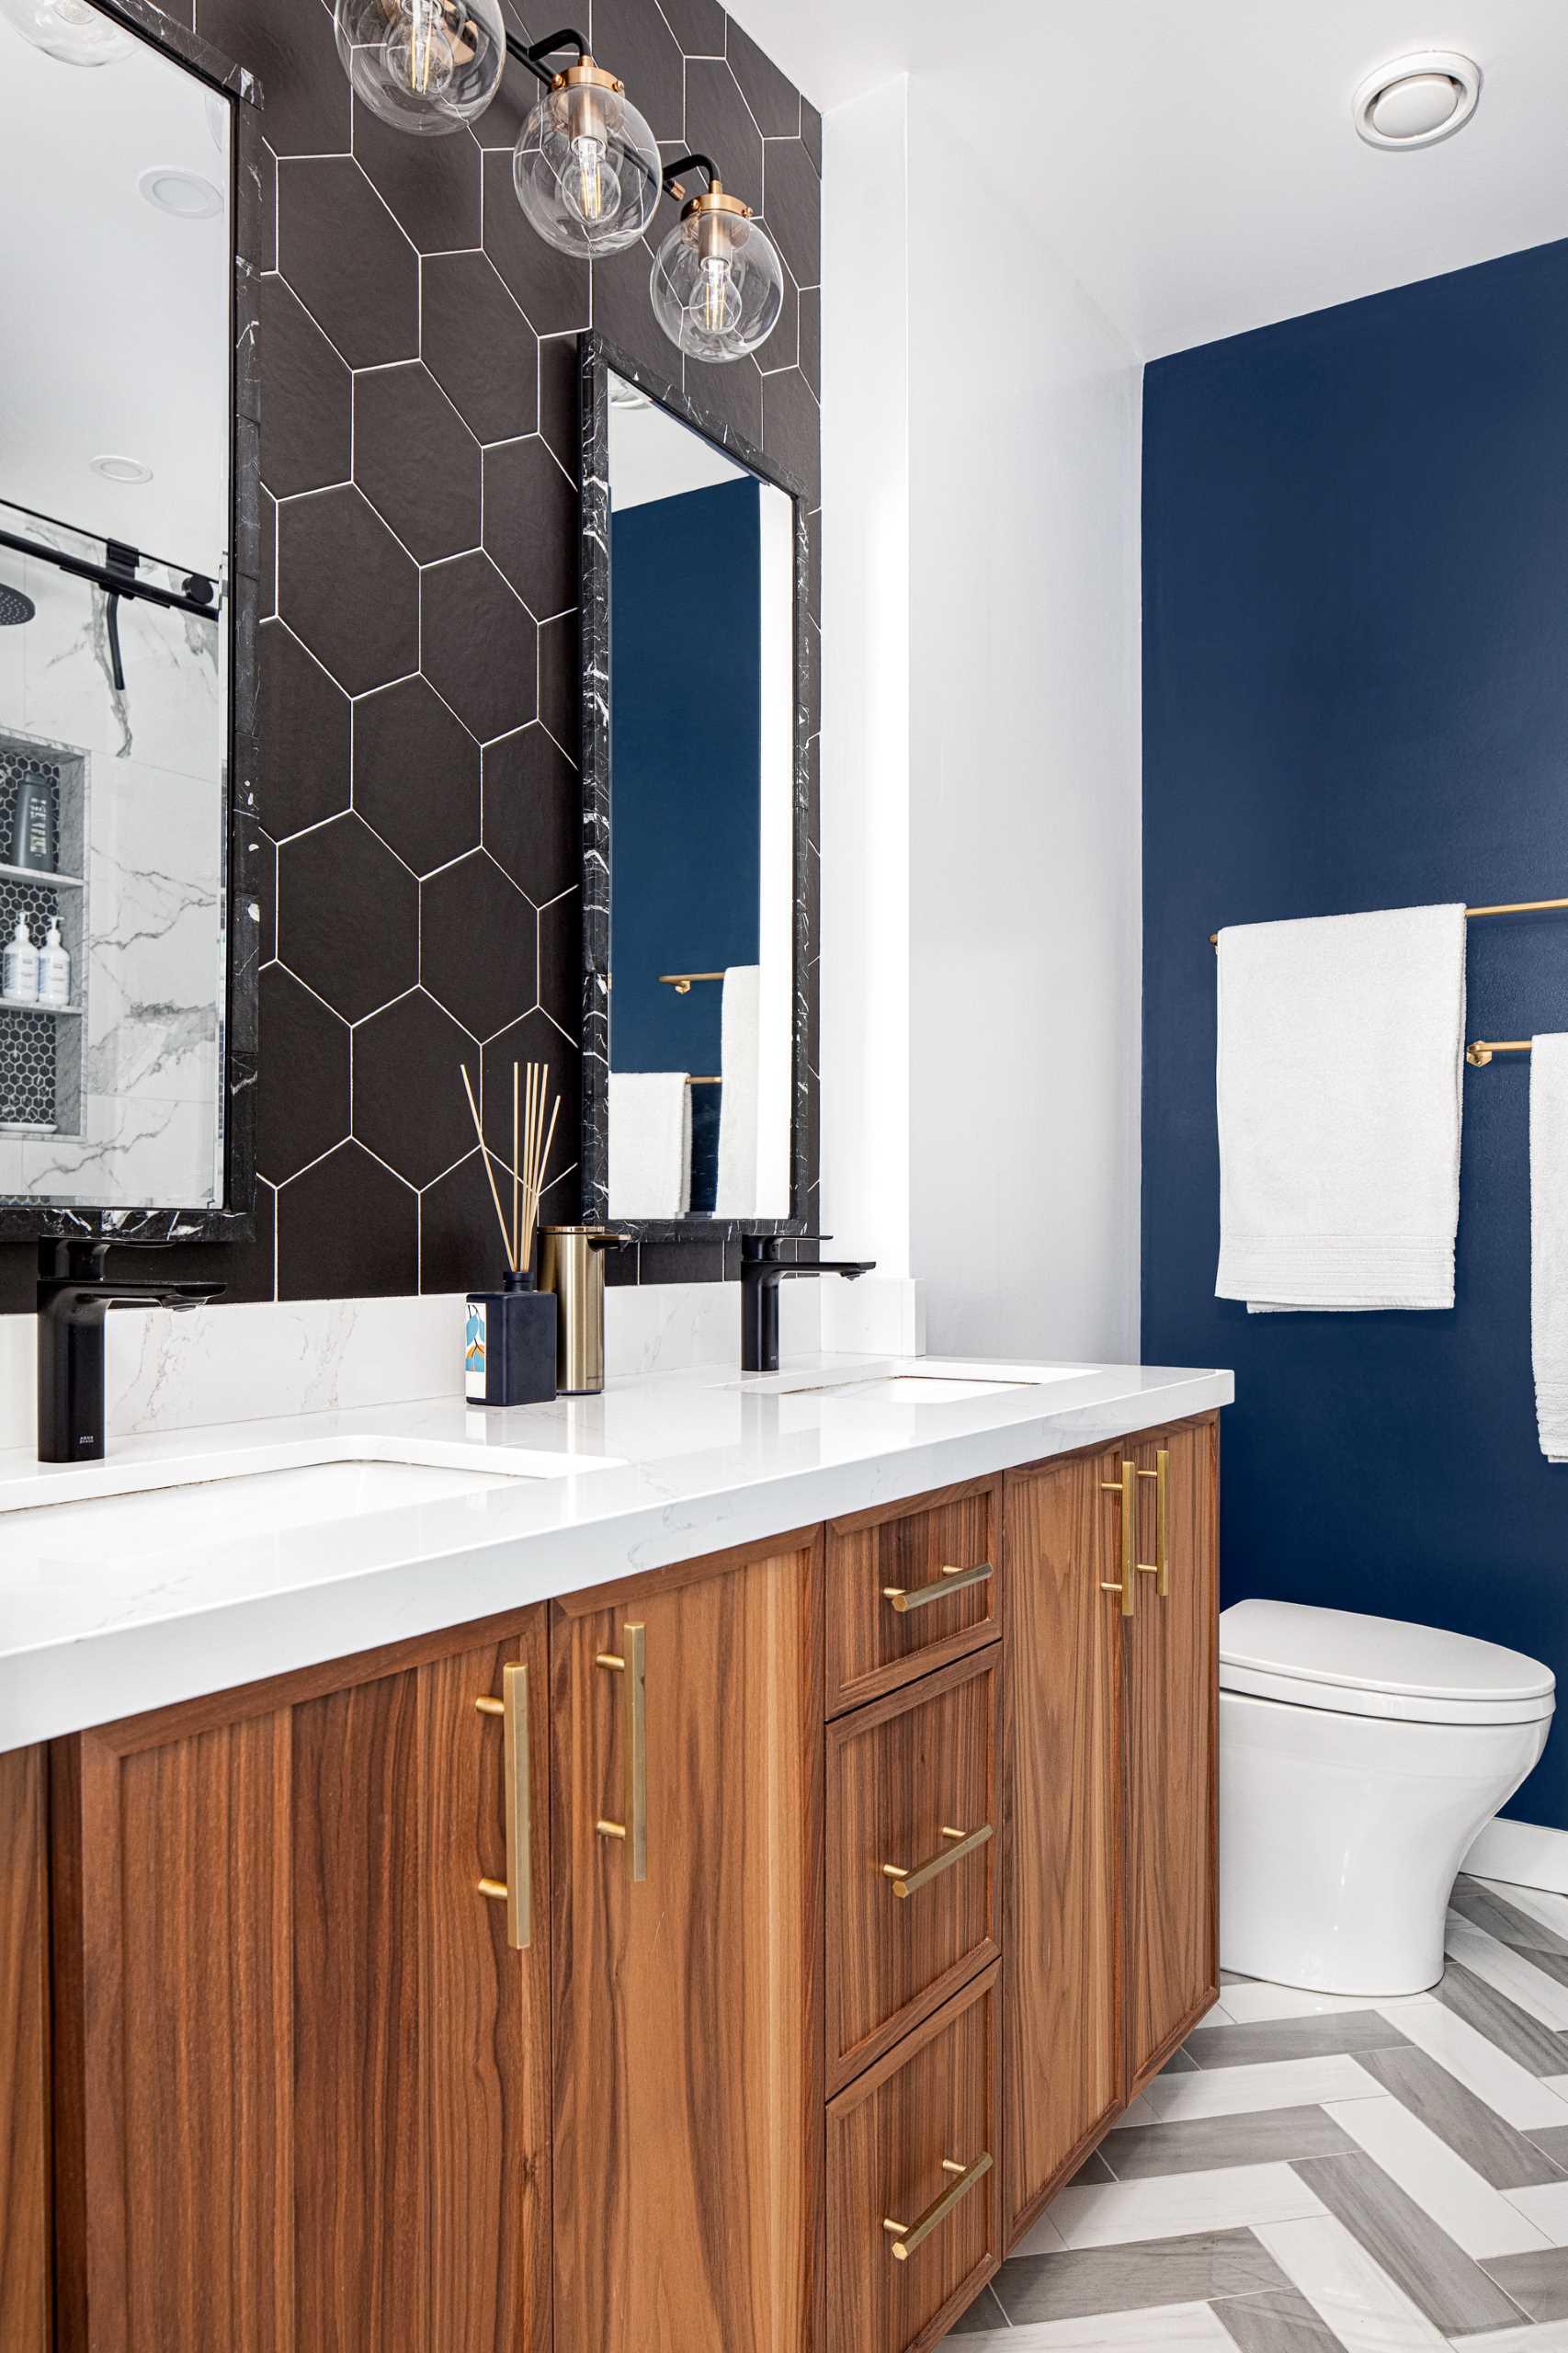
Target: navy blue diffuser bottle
509,1335
509,1351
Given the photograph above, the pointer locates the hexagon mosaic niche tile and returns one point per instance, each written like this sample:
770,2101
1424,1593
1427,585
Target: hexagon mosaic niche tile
421,805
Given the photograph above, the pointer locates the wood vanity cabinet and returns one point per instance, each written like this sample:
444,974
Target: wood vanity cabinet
728,1960
1110,1925
301,2074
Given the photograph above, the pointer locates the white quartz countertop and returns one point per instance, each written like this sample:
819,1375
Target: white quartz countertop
112,1603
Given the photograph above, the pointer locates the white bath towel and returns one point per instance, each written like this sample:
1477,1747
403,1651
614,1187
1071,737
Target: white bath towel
650,1144
1339,1088
740,1036
1548,1241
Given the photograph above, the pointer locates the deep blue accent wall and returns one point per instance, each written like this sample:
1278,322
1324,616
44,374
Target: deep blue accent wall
1355,696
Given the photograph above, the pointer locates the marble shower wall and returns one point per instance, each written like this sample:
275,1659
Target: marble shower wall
137,1099
419,646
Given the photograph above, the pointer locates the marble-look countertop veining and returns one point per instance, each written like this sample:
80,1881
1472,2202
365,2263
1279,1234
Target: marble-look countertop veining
112,1604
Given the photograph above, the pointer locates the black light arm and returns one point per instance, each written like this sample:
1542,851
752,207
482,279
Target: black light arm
533,54
688,164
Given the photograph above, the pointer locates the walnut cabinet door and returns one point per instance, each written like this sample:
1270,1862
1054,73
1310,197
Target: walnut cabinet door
301,2015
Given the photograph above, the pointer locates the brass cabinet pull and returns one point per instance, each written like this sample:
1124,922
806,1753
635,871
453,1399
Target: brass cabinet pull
1127,1583
516,1891
907,2236
905,1882
949,1581
632,1666
1161,1571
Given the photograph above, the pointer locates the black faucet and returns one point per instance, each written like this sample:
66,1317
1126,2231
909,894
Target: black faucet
762,1271
74,1296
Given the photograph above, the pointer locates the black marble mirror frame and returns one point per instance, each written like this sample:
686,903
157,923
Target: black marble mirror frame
598,359
242,877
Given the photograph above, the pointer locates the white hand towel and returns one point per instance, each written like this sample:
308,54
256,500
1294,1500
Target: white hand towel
740,1036
650,1144
1548,1241
1339,1084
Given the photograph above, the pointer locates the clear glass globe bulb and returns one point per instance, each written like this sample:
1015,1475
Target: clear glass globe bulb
588,169
716,285
427,66
70,31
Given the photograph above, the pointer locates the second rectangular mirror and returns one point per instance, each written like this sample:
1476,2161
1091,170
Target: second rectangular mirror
693,773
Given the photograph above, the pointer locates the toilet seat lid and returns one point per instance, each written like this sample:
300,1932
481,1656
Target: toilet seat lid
1361,1666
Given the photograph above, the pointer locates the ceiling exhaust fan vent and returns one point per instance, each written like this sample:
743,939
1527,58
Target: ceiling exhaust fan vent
1417,100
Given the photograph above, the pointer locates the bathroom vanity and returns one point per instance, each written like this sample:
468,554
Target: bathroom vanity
728,1944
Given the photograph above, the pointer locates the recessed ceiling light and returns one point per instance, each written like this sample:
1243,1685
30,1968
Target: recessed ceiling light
185,193
1417,100
126,470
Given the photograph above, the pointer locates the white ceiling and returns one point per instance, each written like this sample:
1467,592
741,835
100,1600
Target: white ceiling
1195,165
114,316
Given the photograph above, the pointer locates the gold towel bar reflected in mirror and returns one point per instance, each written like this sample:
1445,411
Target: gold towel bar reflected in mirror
1506,907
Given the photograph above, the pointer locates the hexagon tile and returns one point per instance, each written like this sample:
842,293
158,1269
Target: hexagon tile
419,657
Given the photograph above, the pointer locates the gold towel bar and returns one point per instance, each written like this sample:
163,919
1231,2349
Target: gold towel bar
705,1082
1480,1052
681,982
1508,908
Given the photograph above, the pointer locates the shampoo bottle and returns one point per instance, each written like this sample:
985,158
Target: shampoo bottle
20,973
53,969
32,825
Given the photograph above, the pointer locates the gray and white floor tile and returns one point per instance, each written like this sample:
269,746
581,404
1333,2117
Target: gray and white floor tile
1314,2174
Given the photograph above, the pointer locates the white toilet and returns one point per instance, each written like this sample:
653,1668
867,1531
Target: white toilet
1359,1759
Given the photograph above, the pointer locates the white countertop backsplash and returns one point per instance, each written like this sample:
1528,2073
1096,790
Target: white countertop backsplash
111,1607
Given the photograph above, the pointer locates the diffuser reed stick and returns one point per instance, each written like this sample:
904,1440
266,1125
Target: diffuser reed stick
508,1241
537,1142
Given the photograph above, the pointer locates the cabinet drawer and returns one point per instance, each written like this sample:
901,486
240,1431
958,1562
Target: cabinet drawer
911,1588
913,2142
904,1775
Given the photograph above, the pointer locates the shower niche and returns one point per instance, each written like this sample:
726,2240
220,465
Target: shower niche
43,1048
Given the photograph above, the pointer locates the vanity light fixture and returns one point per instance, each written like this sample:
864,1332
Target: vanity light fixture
718,284
586,168
72,30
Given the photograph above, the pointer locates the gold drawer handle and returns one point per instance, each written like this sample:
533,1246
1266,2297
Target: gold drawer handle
905,1882
632,1666
906,2236
516,1891
950,1580
1161,1570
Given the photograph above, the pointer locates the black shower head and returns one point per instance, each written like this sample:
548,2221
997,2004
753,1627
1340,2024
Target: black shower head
14,607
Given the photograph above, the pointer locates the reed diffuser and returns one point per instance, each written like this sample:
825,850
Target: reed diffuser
509,1348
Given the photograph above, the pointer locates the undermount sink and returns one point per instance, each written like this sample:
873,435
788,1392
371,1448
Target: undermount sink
301,1481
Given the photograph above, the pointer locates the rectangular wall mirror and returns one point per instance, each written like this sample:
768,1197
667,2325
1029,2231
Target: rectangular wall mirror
119,1044
694,812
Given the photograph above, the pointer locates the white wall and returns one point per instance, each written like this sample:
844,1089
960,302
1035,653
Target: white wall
982,966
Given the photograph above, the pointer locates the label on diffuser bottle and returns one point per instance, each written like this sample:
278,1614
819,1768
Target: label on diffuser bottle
476,1350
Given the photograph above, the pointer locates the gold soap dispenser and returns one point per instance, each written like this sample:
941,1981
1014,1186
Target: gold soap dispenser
572,1265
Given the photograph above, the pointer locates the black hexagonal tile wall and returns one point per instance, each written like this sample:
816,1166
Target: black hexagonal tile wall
307,416
302,1117
478,345
348,1229
305,718
530,524
413,1051
347,589
429,186
478,944
532,812
415,460
360,283
550,288
347,917
418,337
416,775
480,649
